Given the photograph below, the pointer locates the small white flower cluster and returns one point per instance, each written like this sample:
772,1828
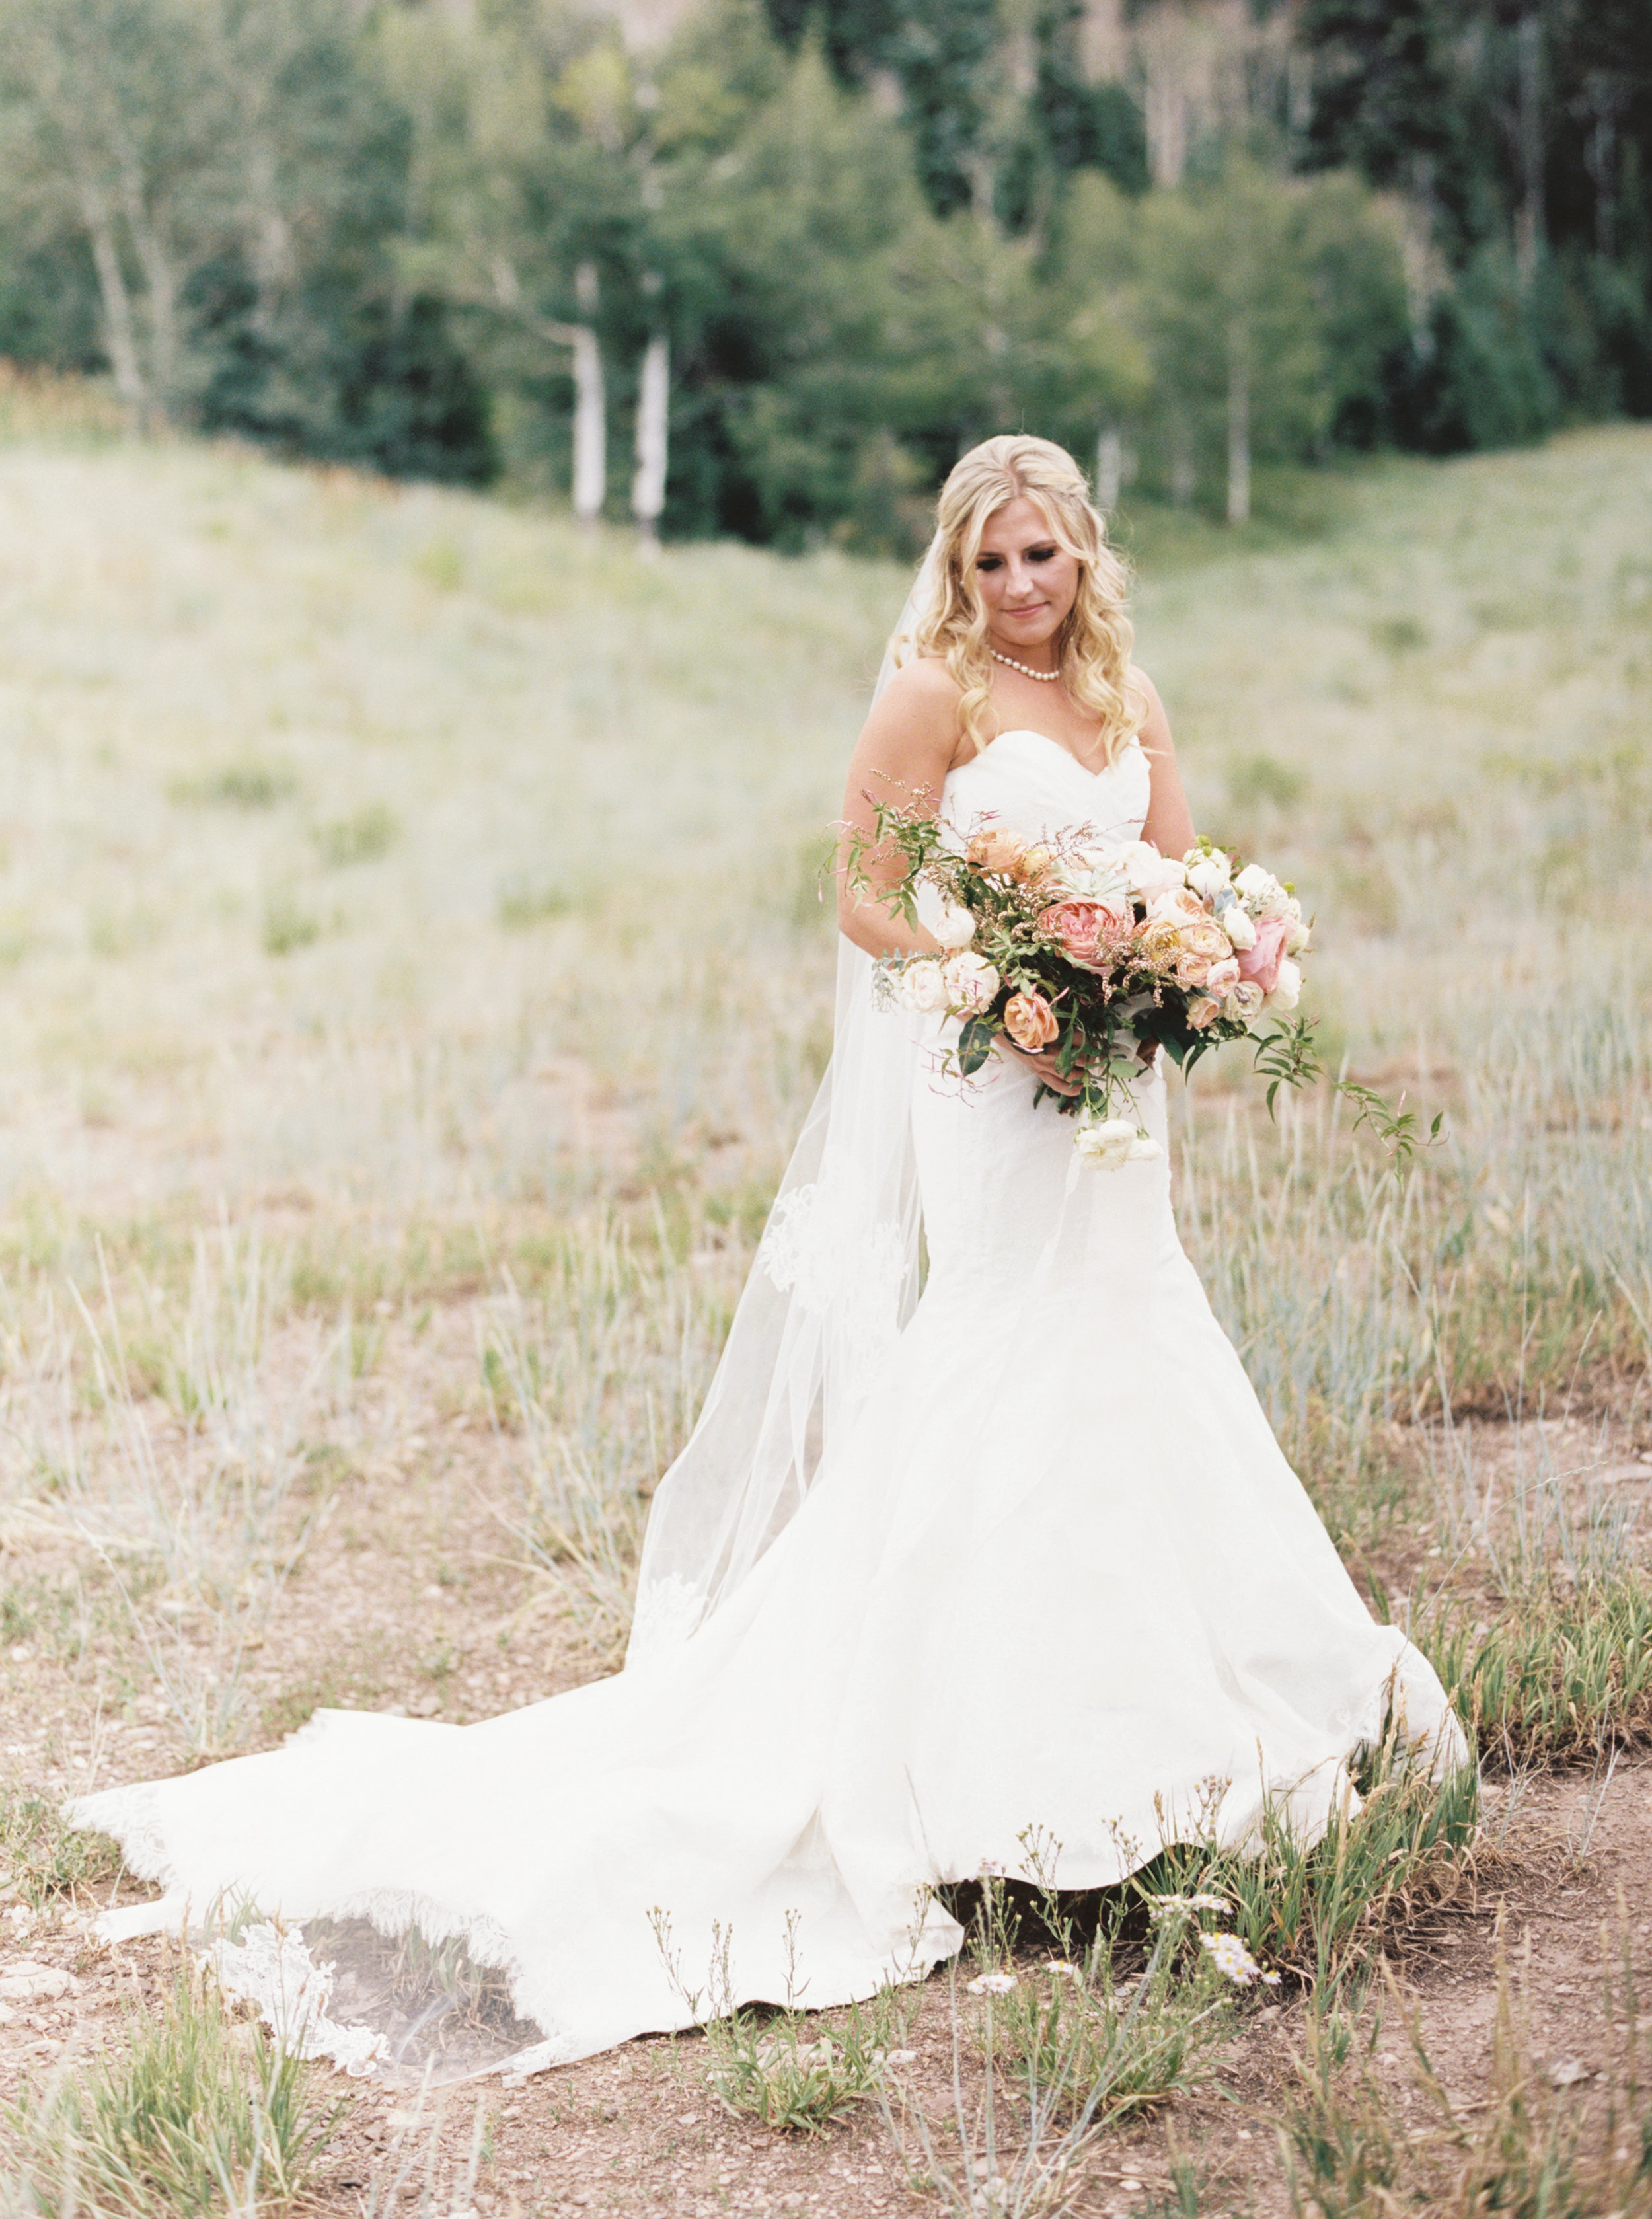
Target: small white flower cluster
1234,1961
1113,1141
1165,1905
1065,1967
991,1984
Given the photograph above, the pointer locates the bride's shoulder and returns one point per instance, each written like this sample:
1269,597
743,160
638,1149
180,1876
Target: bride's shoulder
923,683
919,706
1154,729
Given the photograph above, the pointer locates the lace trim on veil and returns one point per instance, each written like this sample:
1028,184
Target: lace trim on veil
445,1986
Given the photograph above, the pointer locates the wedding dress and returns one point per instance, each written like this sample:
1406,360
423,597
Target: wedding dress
1051,1572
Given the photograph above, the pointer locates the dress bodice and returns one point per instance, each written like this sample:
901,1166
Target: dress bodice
1034,786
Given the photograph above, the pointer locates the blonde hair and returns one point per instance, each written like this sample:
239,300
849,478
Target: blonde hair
1093,646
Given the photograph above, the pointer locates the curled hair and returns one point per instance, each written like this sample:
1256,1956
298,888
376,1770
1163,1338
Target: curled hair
1093,646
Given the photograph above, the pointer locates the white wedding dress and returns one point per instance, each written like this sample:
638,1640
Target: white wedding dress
1055,1576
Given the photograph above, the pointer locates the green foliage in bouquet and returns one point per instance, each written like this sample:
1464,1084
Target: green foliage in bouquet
1098,956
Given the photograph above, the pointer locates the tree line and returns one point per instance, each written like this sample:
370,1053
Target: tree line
770,274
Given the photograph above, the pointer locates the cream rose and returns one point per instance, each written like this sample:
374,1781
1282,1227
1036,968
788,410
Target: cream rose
1208,875
955,927
1223,975
1177,906
1244,999
1147,872
1287,986
1236,922
1262,894
971,982
922,987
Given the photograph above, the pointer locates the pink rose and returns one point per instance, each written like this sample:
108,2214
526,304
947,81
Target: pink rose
1262,962
1080,925
1029,1021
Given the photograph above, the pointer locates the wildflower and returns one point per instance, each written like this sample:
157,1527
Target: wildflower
990,1868
1232,1959
991,1984
1062,1965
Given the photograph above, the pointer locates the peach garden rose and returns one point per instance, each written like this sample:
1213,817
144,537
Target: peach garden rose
1029,1021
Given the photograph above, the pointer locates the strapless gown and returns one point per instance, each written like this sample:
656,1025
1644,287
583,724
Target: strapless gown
1057,1576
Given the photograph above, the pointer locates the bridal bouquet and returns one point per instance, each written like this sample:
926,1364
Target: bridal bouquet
1099,955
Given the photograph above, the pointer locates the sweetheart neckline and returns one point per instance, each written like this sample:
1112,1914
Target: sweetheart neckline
1031,732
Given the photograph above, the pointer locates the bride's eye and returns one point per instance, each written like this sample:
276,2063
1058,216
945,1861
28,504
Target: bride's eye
1040,554
989,562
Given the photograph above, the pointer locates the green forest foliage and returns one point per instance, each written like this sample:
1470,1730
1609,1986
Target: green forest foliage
871,231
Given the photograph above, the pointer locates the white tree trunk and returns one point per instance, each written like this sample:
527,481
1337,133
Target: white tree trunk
119,331
653,436
590,421
1183,474
1109,467
1238,432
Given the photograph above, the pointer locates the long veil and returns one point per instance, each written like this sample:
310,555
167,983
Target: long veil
833,1281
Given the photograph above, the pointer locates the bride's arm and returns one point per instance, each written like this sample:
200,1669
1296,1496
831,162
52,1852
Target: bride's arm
902,756
1170,821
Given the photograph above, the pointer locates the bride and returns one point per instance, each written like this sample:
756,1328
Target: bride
935,1569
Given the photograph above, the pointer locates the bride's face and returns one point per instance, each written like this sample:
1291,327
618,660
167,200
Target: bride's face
1027,580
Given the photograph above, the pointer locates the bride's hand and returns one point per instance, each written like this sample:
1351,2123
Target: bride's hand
1044,1064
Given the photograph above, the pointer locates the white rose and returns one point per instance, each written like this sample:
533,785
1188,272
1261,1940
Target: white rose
1262,891
1235,922
971,982
1114,1142
1296,939
1208,875
955,927
1148,872
922,987
1288,988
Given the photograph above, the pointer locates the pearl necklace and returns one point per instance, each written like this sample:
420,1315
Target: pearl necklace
1044,677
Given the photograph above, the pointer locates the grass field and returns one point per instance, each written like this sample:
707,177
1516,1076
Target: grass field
415,971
